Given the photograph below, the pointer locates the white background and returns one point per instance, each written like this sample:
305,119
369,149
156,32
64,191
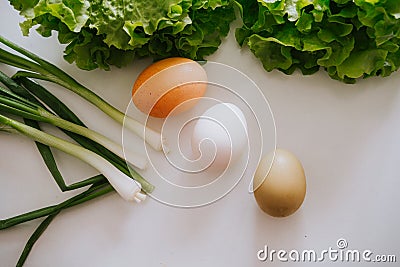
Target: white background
347,137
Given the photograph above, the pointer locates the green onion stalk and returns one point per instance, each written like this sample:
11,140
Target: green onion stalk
96,190
38,68
14,104
32,93
127,188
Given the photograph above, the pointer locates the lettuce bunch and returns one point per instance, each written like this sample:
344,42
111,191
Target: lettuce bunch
100,33
350,39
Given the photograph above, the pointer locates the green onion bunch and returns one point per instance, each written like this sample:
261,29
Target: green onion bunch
25,105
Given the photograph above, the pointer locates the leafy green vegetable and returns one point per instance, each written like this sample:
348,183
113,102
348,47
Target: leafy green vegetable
101,33
350,39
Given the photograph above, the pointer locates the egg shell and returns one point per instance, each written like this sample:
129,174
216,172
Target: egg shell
223,124
171,84
280,191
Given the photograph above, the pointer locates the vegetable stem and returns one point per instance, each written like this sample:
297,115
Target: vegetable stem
132,157
30,88
46,71
128,188
17,105
93,192
40,114
34,237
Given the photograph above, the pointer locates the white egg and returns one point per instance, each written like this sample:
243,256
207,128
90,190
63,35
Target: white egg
222,132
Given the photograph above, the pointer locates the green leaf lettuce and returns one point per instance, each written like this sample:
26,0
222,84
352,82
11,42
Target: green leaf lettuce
349,39
99,33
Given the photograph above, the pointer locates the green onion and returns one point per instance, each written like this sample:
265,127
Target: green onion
38,68
11,103
64,112
29,100
34,237
127,188
94,191
51,164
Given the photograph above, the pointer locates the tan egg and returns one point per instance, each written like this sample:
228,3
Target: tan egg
172,84
280,188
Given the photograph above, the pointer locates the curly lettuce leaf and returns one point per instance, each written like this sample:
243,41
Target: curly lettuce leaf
100,33
349,39
119,20
73,13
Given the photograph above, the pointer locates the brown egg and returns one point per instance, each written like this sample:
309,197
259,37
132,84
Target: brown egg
172,84
280,188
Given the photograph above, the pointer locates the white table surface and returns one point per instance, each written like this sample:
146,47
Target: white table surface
346,136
